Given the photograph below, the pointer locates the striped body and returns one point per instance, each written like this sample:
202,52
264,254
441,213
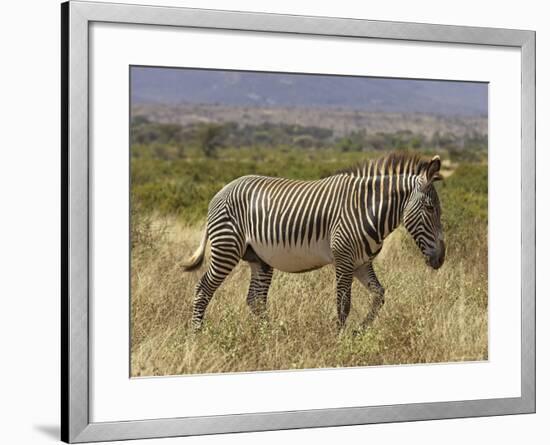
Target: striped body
291,224
297,226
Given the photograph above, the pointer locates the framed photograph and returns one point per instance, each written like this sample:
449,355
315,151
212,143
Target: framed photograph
275,222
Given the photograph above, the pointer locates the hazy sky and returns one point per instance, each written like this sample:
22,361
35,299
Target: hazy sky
239,88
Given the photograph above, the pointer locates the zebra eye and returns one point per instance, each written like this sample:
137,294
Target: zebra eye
429,207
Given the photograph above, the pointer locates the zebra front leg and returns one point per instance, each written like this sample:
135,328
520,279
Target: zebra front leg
260,280
344,278
225,254
365,274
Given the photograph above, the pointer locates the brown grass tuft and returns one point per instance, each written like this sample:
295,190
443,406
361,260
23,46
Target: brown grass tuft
429,316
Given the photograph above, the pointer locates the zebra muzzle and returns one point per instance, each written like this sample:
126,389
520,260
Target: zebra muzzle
436,259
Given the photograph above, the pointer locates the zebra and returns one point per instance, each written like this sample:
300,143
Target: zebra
298,226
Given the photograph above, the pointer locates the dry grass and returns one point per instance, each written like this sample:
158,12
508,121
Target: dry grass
429,316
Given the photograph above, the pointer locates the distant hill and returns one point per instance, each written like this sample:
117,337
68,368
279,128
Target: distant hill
172,86
339,120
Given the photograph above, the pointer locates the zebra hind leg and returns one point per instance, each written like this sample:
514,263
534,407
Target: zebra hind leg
260,280
344,278
225,254
366,275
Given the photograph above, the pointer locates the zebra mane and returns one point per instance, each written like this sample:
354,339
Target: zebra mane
387,165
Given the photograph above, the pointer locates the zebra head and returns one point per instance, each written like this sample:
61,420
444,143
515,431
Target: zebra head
422,215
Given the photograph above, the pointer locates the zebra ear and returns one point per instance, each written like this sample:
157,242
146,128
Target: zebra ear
432,171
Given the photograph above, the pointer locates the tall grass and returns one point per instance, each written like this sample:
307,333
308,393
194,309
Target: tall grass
429,316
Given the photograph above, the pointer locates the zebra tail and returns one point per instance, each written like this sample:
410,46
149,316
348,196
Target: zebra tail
197,258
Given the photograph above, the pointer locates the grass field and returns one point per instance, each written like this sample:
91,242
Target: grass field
429,316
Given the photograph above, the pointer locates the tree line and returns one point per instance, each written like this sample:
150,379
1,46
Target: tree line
209,138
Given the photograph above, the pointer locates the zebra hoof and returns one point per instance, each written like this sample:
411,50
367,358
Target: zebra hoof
196,328
361,331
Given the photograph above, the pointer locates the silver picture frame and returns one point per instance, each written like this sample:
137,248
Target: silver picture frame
76,18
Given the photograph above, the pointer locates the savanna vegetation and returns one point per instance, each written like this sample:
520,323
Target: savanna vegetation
429,316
